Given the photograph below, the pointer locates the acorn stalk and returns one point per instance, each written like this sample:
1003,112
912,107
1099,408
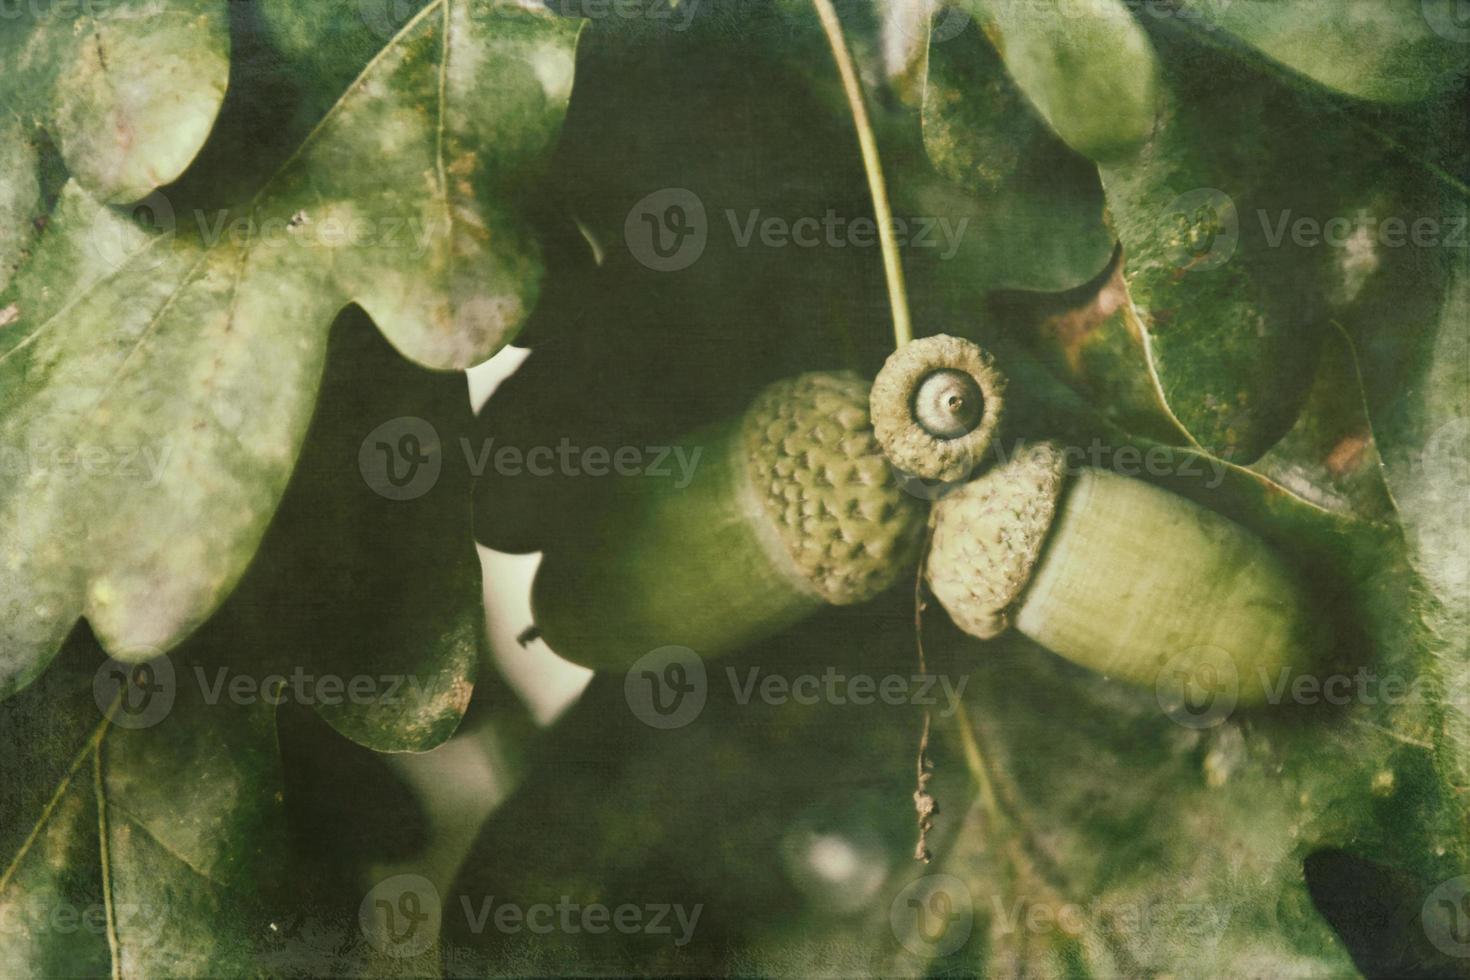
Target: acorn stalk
790,507
1116,575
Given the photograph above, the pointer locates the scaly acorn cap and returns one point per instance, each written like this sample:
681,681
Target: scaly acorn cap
792,506
988,535
936,406
826,488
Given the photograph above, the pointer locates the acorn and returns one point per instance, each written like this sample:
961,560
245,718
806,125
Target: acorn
1119,576
791,507
936,406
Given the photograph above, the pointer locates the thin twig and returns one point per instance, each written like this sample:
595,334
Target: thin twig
924,803
903,330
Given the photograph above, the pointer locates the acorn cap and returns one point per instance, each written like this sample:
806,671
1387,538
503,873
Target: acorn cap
925,411
825,488
988,536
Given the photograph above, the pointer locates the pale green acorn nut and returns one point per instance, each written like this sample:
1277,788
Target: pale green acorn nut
1116,575
936,406
792,507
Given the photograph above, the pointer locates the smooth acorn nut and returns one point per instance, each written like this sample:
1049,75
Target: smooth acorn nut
936,406
791,507
1116,575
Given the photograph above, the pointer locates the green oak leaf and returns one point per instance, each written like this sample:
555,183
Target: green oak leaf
1086,65
1226,286
367,585
1232,300
1327,460
124,92
1412,323
1032,208
1384,50
141,825
367,608
127,90
202,341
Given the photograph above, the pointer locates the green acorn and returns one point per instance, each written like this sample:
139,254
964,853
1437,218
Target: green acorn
791,507
1117,575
